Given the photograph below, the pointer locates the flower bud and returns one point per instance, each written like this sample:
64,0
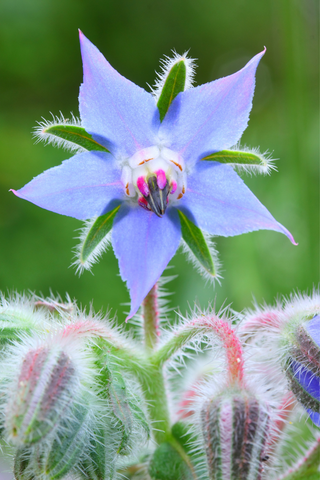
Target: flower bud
61,452
43,391
303,370
235,429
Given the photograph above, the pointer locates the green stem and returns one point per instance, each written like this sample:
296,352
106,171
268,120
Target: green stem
152,382
151,319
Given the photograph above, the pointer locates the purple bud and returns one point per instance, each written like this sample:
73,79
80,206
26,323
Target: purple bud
235,431
303,370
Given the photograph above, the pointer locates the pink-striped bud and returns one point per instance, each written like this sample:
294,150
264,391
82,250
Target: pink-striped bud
235,429
43,391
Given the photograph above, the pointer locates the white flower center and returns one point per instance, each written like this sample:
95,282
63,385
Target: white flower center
157,176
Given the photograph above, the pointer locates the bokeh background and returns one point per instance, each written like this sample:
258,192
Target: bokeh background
41,72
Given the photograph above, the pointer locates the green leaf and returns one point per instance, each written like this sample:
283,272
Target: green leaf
140,417
74,134
195,240
66,449
169,462
21,468
54,458
120,407
308,468
11,327
113,389
99,463
240,158
96,234
174,84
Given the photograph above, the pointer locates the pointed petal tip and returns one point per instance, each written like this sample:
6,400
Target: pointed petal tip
14,191
287,233
290,236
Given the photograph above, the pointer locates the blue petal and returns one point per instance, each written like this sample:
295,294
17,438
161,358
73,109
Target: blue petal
307,379
115,111
313,328
315,417
144,244
81,187
211,117
222,204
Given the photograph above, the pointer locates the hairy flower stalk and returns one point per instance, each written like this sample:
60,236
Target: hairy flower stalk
151,318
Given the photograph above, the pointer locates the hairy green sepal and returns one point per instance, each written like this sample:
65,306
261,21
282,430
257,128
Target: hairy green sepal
125,411
97,233
101,457
168,464
308,469
66,450
174,84
195,240
52,460
13,325
235,157
76,135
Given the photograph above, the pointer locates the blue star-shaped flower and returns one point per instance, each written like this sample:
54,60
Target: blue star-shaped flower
155,165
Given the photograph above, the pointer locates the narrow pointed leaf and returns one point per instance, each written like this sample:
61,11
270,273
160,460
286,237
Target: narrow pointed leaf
99,463
76,135
195,240
170,462
114,390
21,468
237,158
66,450
97,233
140,417
120,407
306,468
12,325
174,84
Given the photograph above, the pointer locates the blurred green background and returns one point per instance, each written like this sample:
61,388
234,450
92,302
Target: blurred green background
41,73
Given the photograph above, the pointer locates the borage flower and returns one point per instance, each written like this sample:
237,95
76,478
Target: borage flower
156,167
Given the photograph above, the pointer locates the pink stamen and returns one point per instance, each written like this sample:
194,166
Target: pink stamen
161,179
174,186
143,187
143,203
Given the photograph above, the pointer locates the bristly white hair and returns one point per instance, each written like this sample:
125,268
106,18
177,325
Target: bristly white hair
96,252
195,262
163,308
267,163
166,65
41,135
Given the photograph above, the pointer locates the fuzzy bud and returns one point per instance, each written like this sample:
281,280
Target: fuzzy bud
43,391
61,452
303,367
235,431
